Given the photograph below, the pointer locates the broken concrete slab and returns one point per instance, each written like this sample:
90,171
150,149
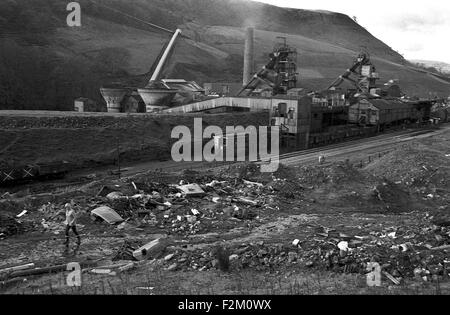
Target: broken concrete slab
115,195
151,250
191,190
107,214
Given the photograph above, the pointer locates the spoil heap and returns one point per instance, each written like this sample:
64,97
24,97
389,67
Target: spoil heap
415,167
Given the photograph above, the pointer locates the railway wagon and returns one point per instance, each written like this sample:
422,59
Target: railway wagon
443,114
340,133
374,112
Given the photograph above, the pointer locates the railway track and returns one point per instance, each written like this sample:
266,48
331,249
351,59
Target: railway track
345,144
289,158
356,146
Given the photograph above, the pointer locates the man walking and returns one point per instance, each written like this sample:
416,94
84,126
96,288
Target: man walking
70,222
321,159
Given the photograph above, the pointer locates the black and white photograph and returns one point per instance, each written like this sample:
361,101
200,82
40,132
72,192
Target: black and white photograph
224,153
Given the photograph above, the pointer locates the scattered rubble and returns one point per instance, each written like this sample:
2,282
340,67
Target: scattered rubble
410,253
9,225
125,252
423,169
190,206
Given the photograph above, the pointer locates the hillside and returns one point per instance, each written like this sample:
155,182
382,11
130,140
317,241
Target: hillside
443,67
45,65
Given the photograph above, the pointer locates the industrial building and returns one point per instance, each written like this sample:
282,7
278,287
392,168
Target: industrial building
83,104
187,91
221,89
305,118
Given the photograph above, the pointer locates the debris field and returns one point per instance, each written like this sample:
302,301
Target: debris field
333,218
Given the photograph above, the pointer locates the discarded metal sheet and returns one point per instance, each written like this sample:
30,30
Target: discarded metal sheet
107,214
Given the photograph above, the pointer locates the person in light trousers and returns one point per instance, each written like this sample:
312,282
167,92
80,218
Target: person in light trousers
71,223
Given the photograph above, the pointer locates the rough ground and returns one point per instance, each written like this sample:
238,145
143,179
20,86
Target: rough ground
86,140
393,211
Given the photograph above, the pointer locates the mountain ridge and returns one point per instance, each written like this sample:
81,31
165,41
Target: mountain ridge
112,47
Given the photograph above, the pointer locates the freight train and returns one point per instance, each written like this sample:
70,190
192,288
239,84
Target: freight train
305,124
40,171
386,112
442,113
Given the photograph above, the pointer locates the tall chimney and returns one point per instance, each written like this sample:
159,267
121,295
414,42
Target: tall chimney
248,56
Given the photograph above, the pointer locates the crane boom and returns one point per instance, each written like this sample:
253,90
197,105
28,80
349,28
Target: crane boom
362,60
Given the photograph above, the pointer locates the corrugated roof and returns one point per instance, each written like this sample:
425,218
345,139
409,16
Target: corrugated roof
107,214
388,104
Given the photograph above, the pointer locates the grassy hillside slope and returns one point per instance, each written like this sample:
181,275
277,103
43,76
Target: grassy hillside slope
45,64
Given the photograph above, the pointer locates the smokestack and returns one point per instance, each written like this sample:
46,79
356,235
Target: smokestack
248,56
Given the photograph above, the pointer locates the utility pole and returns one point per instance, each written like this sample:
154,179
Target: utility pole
116,127
118,155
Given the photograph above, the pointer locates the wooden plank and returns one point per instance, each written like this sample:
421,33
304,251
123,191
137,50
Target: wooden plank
44,270
444,247
390,277
17,268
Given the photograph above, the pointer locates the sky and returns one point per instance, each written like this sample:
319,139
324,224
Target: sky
417,29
